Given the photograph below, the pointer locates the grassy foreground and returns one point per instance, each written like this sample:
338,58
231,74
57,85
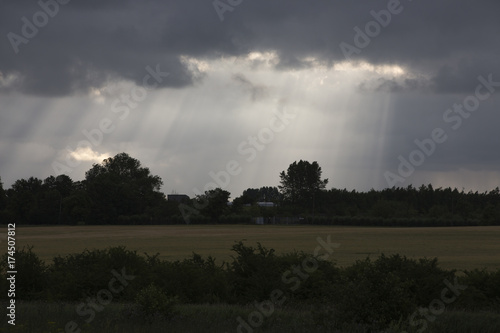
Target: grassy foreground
456,247
82,293
37,317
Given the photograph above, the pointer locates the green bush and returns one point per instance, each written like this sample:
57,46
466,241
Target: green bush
371,297
483,291
76,276
256,272
32,277
423,278
372,293
194,280
385,291
152,303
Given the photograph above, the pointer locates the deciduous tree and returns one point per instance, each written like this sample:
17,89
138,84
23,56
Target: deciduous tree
121,186
214,203
301,182
3,198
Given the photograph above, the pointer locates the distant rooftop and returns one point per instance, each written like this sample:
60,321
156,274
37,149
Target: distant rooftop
265,204
177,197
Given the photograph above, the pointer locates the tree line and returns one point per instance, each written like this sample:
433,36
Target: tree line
121,191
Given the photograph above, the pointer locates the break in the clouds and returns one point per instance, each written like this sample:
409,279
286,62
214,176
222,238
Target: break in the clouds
187,86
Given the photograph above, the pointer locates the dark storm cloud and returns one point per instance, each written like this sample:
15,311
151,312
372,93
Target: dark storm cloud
88,43
472,145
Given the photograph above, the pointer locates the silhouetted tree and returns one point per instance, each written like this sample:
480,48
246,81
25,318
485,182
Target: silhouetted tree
213,203
24,200
3,197
250,196
254,195
270,194
301,182
120,190
120,186
77,206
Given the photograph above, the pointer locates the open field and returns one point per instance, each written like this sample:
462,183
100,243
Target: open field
456,247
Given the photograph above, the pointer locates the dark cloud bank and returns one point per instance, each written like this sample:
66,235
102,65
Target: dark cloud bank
87,43
64,48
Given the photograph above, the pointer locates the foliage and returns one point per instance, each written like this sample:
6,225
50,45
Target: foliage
194,280
5,215
3,198
76,276
253,195
483,290
373,294
301,182
215,318
255,272
387,290
213,203
121,191
152,302
24,200
32,282
121,186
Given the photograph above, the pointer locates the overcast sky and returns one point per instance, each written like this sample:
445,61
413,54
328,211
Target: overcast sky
239,89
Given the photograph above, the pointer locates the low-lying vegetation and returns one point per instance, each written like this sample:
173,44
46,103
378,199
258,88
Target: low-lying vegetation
256,290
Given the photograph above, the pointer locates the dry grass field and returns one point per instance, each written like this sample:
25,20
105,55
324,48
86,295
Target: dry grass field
458,247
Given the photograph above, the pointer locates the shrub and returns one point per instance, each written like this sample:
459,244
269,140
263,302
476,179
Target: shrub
152,302
255,273
374,294
79,275
423,278
483,290
31,282
371,297
194,280
386,291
